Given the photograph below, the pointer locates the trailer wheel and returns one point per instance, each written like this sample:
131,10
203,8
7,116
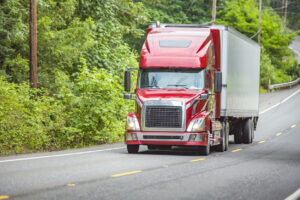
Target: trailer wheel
247,130
132,148
227,135
238,133
222,146
252,131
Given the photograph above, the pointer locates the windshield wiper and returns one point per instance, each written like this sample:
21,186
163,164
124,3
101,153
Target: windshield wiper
152,86
184,86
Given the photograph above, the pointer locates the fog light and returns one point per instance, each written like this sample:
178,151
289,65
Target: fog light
192,137
196,137
201,137
131,136
134,136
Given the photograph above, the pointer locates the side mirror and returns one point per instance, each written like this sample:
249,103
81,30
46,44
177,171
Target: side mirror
203,96
127,81
128,96
218,82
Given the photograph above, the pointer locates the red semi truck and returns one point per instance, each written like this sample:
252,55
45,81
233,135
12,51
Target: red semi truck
196,86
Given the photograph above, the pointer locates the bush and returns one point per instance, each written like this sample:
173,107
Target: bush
28,119
96,108
91,110
267,71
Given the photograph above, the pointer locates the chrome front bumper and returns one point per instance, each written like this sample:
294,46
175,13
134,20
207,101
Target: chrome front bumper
166,138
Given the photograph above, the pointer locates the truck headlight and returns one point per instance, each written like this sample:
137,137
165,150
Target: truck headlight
197,125
132,124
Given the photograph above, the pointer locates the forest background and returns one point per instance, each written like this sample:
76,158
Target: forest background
84,46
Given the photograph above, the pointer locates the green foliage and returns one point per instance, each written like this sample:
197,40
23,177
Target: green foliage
267,71
61,49
241,15
14,39
277,61
175,12
97,107
113,19
293,14
29,119
92,112
81,103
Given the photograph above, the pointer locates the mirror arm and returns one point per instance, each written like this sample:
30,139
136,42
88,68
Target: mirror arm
128,96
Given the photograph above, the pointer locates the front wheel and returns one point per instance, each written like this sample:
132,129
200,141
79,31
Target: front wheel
204,150
132,148
222,146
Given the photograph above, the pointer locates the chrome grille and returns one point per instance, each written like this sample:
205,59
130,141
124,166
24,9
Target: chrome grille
163,116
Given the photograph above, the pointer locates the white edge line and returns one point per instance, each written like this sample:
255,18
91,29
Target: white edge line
59,155
290,96
294,196
295,51
283,101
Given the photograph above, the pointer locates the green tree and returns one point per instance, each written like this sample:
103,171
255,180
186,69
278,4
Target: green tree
14,40
243,16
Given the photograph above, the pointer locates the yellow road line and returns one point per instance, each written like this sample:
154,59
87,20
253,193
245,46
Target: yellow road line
126,173
196,160
4,197
278,134
165,165
293,126
217,155
260,142
71,184
236,150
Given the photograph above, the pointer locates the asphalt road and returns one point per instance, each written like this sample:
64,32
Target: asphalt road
267,169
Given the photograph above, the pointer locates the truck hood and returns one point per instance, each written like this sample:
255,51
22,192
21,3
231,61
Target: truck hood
185,95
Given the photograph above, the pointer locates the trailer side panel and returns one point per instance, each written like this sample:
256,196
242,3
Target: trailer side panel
240,63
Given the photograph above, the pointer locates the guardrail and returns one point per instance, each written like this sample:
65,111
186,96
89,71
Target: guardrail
284,85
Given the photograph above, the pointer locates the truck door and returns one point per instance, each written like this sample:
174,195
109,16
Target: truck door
210,89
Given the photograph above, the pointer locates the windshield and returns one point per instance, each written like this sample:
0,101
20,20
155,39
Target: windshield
171,78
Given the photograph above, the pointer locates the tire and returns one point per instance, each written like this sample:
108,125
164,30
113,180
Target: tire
133,148
247,131
204,150
226,135
238,134
252,132
222,146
